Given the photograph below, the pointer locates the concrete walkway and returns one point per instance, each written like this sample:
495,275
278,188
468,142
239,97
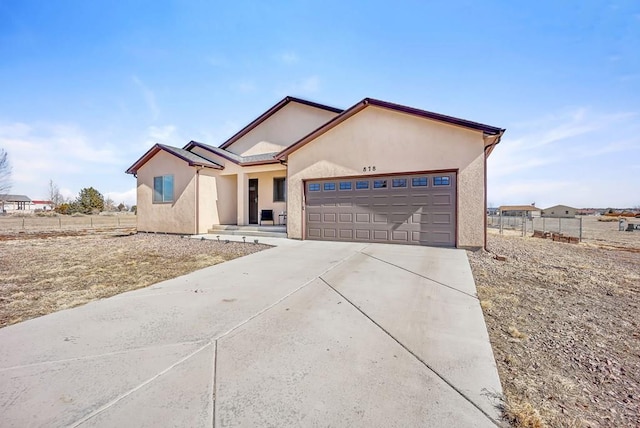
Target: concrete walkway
304,334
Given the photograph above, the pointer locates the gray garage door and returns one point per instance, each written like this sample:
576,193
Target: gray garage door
411,209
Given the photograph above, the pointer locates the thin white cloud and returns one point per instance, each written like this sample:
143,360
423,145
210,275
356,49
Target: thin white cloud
540,159
245,86
43,151
307,85
149,97
288,57
217,61
128,197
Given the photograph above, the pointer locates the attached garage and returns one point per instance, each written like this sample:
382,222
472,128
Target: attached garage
418,209
383,172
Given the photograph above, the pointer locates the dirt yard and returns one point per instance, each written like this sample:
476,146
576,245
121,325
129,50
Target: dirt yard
564,323
49,271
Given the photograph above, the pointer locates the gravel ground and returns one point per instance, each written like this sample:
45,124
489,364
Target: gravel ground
565,330
50,271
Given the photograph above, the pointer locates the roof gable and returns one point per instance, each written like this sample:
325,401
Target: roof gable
191,158
485,129
272,111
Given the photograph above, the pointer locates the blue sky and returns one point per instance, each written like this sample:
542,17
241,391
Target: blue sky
86,87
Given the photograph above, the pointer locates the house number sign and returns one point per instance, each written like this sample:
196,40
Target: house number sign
368,168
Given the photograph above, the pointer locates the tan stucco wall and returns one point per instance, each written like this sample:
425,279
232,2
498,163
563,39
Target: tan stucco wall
217,201
177,216
285,127
394,142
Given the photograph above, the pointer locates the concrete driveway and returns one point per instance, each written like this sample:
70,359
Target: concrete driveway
304,334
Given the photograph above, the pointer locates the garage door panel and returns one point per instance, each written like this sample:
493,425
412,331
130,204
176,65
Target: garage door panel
419,201
363,218
329,233
441,218
329,218
381,235
441,237
399,218
346,234
379,218
363,234
400,235
345,218
408,209
314,232
314,217
441,199
420,218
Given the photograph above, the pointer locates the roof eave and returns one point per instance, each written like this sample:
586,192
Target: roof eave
262,162
133,169
485,129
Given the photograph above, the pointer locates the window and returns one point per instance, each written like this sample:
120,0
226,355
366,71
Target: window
399,182
279,189
362,184
314,187
329,186
345,185
419,181
379,184
441,181
163,189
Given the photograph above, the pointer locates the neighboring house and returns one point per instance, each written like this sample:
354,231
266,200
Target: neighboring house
376,172
15,203
529,211
42,205
493,211
587,211
558,211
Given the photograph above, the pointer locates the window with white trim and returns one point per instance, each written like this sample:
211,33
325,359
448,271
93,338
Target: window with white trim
163,189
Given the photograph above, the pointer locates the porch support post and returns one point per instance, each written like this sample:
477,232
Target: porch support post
243,199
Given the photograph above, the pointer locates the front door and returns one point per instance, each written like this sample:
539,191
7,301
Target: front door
253,201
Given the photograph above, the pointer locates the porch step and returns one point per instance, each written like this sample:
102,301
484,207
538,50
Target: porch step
264,231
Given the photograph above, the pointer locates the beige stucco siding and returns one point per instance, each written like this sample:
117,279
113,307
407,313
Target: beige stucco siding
394,142
285,127
217,200
174,217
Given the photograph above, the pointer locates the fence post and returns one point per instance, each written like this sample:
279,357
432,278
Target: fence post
500,223
543,226
580,229
560,225
23,222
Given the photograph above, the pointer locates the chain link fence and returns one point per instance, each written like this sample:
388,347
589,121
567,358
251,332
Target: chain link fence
61,222
526,226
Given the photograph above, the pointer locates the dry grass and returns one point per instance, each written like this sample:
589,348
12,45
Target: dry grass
44,273
522,415
564,325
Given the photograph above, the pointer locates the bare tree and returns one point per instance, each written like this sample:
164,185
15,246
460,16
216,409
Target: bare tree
55,196
5,172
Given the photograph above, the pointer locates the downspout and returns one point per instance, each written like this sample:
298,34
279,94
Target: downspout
197,201
488,149
485,198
